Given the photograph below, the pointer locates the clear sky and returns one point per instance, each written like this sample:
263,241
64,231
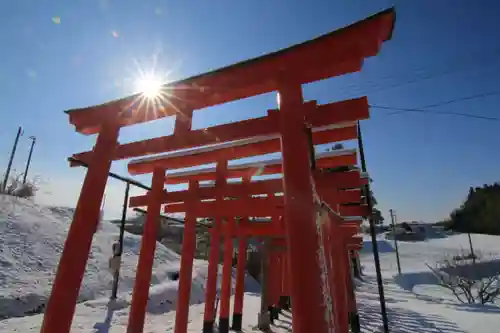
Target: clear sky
58,55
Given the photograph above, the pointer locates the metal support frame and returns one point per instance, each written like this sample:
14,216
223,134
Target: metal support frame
376,257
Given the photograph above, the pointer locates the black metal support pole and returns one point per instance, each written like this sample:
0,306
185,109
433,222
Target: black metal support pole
376,257
12,154
33,141
116,276
395,240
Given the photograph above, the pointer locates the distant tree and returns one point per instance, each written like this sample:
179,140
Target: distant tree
479,213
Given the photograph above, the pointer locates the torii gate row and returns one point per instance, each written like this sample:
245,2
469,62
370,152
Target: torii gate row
327,159
249,147
338,267
243,228
243,206
243,231
343,292
260,206
345,180
218,208
336,53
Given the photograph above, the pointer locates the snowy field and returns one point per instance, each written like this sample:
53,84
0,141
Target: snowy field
31,240
415,302
32,237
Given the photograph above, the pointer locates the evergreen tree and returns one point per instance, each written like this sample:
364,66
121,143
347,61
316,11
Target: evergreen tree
480,212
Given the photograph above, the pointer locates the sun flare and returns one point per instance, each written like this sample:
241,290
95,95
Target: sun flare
149,86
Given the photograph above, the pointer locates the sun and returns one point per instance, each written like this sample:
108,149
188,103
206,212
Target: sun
149,86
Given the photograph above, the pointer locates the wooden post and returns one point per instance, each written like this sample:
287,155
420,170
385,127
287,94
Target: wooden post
186,269
227,271
240,284
302,239
140,294
62,301
264,320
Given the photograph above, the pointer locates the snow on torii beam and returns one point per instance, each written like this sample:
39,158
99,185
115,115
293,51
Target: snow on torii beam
339,52
254,146
331,159
345,157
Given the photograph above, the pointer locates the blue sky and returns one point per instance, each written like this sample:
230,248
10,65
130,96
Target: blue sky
422,164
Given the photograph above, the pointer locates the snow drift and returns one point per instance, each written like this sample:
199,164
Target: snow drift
31,240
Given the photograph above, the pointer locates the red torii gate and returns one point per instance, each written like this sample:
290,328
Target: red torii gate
336,53
179,201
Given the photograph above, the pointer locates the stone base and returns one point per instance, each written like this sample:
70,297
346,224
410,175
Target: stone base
264,321
237,322
208,326
223,325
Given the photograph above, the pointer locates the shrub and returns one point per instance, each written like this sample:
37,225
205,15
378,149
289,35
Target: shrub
471,278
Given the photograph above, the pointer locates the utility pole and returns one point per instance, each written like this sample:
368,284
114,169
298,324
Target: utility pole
33,141
395,240
12,154
471,249
376,258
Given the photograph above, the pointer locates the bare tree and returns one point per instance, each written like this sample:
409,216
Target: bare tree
471,280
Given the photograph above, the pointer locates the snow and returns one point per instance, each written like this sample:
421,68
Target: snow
31,240
32,237
414,300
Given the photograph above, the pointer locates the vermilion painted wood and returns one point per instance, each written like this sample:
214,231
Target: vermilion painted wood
333,54
318,115
238,191
186,267
325,162
62,301
140,294
325,185
336,53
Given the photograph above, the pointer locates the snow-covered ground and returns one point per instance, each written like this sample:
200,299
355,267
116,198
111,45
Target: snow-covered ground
31,240
414,300
32,237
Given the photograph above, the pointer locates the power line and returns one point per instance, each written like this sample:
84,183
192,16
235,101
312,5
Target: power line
423,109
457,67
401,110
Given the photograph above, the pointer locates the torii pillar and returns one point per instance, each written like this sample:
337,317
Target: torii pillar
66,287
187,258
305,274
140,294
213,260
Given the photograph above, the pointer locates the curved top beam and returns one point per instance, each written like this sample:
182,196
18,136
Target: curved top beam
338,52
